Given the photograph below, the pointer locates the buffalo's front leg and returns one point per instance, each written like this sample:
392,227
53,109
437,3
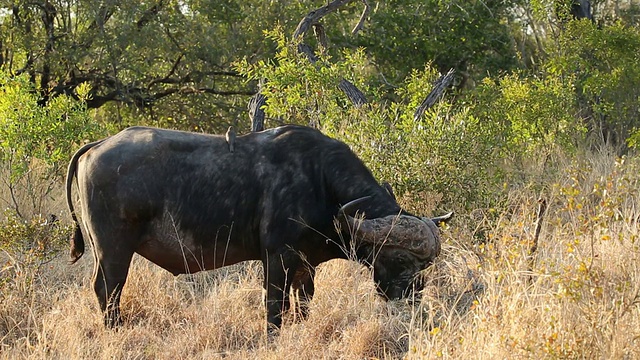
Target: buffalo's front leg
277,283
304,288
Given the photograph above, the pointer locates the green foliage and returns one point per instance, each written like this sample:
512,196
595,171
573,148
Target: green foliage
604,63
172,63
169,63
26,245
165,63
531,115
30,131
465,35
32,134
303,92
448,153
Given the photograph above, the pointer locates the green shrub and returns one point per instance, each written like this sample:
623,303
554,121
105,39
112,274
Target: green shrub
448,153
36,140
25,245
604,64
532,116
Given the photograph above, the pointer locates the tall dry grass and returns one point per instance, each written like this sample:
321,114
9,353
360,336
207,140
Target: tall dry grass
487,297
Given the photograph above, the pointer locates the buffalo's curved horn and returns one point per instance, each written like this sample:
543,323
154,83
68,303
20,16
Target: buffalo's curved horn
442,219
344,214
352,206
420,236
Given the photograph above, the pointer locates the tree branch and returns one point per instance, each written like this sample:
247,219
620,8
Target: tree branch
542,208
315,15
256,113
363,17
321,35
105,87
149,14
171,72
48,17
142,99
103,16
353,93
439,87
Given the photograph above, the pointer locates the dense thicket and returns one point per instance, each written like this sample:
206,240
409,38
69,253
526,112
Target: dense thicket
531,77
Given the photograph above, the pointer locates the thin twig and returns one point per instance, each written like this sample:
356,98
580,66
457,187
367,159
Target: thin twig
542,207
363,17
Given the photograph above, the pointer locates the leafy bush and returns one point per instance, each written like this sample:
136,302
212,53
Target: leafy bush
36,140
604,63
448,153
25,246
532,115
470,36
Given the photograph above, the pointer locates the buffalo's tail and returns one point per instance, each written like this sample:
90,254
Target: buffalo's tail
77,244
77,241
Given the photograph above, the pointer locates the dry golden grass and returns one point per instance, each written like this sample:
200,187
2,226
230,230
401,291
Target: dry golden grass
485,299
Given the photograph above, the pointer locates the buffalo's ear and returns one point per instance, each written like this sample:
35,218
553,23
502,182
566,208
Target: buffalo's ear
387,187
443,219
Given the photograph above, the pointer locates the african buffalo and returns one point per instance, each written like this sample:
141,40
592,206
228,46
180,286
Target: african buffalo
287,196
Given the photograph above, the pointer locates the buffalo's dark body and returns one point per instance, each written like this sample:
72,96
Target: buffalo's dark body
186,203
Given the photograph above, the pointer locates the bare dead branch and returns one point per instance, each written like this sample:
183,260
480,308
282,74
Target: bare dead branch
314,16
363,17
321,35
312,19
542,207
256,113
353,93
436,93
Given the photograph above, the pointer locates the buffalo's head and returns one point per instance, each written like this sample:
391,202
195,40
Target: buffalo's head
398,247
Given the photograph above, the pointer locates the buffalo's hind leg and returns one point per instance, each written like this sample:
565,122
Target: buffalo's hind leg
110,274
